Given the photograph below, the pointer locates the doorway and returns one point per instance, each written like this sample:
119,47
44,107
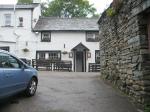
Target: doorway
79,61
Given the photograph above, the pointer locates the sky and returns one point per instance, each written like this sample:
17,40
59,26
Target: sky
100,5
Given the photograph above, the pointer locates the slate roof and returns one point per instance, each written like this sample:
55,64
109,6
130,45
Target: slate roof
19,6
66,24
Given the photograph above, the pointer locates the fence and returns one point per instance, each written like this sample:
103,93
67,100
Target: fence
94,67
52,65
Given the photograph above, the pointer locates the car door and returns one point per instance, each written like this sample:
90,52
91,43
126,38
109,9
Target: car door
1,79
14,77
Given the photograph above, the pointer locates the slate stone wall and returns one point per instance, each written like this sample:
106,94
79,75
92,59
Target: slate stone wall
125,56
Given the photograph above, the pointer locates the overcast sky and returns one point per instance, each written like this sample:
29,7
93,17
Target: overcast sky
100,5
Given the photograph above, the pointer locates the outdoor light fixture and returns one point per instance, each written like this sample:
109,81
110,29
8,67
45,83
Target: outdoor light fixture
70,55
88,55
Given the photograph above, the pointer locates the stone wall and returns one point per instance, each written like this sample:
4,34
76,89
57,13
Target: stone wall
125,59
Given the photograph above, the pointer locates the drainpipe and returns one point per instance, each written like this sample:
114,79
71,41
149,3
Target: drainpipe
14,32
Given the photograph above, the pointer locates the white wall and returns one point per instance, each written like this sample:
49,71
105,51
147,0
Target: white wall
19,38
22,36
70,39
36,14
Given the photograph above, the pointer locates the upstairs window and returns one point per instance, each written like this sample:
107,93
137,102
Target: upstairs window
7,19
92,36
97,56
46,37
21,21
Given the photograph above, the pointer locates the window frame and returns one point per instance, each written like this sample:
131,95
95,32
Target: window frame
7,21
46,40
96,60
48,52
20,21
96,34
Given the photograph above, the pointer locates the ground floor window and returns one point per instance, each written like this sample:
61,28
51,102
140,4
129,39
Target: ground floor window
49,55
6,48
97,56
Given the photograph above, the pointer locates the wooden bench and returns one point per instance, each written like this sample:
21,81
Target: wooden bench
63,66
42,64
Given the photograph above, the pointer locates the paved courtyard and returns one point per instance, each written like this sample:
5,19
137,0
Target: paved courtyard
71,92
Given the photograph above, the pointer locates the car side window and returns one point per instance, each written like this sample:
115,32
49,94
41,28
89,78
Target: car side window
7,61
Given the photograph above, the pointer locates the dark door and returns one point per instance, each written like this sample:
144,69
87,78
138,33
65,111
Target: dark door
149,30
79,62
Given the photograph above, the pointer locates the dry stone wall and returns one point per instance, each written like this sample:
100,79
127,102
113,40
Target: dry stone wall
125,59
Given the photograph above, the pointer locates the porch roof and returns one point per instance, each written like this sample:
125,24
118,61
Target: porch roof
80,47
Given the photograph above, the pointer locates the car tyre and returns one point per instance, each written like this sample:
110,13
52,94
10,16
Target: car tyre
31,88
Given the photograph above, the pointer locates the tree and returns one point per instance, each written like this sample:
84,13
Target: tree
25,1
69,8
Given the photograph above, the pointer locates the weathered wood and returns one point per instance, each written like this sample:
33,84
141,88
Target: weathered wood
63,66
53,65
94,67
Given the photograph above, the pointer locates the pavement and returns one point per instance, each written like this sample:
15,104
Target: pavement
70,92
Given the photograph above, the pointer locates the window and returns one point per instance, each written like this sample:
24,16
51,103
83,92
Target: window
5,48
7,19
54,55
92,36
97,56
49,55
20,21
7,61
41,55
46,37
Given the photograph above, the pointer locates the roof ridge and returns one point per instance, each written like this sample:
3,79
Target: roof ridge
52,17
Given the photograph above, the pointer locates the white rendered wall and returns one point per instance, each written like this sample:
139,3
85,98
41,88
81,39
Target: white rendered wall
19,38
70,39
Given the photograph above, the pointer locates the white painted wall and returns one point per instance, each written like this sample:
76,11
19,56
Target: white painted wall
19,38
70,39
36,14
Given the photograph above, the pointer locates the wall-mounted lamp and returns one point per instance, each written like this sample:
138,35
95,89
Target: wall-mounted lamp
70,55
88,55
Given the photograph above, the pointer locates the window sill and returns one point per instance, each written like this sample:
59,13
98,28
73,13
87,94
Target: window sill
45,41
20,26
7,26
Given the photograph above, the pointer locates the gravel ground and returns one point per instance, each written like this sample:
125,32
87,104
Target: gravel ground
70,92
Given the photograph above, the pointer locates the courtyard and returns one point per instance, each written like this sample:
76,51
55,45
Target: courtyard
71,92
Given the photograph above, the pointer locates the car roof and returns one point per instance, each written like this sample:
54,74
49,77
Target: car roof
4,51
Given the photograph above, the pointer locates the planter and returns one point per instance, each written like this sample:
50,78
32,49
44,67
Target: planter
64,52
25,50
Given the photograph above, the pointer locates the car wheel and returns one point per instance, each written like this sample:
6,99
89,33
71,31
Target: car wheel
32,86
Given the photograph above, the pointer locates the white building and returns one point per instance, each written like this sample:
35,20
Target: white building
27,35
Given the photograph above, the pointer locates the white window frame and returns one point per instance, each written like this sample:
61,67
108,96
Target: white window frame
7,19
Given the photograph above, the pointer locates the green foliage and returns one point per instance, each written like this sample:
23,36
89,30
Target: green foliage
147,108
110,12
25,1
69,8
